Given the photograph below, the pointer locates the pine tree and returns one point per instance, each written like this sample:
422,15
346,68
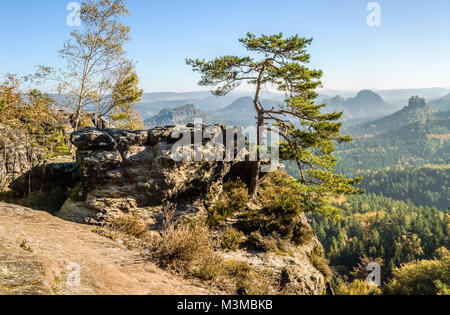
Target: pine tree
308,135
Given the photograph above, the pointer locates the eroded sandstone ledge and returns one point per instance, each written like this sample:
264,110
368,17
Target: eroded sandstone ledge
127,171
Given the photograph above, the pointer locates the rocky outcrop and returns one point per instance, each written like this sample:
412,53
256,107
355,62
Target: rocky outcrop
292,271
136,172
18,156
41,254
127,171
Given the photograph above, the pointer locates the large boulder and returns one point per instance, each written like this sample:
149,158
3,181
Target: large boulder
92,139
122,171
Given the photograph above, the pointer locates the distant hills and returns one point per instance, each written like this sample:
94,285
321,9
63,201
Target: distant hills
177,116
241,112
417,110
416,135
441,104
152,103
399,97
236,108
365,105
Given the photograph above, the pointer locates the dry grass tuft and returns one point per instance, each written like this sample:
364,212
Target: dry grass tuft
188,249
182,246
129,224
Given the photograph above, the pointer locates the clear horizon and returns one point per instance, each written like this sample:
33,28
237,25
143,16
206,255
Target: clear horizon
409,50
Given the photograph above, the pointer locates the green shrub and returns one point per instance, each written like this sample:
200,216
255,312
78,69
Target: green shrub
257,242
321,264
302,234
231,239
357,287
426,277
282,203
234,198
247,281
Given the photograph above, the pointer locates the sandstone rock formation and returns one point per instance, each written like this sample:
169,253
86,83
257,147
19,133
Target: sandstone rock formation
121,172
18,156
128,171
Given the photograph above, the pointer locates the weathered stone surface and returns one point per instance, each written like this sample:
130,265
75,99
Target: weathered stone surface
94,163
92,139
159,134
128,138
40,253
18,156
139,167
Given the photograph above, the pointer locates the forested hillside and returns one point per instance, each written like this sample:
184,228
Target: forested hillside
418,143
423,186
441,104
375,228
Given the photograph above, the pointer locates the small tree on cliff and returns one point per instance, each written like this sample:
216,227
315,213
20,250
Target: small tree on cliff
308,135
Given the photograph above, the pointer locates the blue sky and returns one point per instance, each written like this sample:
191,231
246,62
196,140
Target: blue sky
410,49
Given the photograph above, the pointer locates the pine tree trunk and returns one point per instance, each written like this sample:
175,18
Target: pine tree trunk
254,185
256,167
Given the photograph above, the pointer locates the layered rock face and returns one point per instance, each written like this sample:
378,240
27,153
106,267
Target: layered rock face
136,170
18,156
